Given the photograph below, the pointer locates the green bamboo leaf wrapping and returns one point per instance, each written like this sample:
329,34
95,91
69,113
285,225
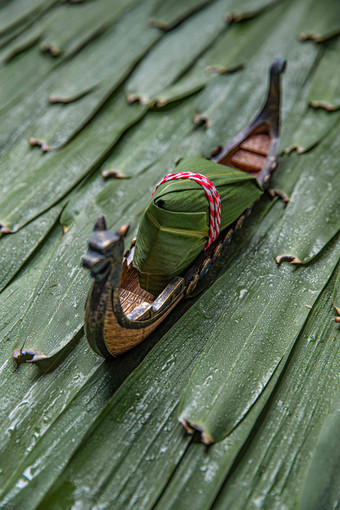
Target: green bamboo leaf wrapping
175,226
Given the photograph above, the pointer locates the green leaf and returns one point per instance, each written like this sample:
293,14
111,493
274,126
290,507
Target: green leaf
167,16
216,107
336,295
18,247
175,226
18,76
321,22
321,488
83,84
57,443
19,292
272,469
218,395
325,89
161,137
311,219
231,51
68,28
306,127
20,44
55,174
162,67
248,8
16,12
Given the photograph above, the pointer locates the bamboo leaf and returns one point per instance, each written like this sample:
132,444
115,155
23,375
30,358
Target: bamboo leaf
18,76
218,396
325,90
68,28
103,57
161,136
321,488
23,203
82,85
17,12
20,44
306,127
336,297
321,21
167,16
150,79
299,242
18,247
245,98
231,51
42,464
248,9
19,292
278,454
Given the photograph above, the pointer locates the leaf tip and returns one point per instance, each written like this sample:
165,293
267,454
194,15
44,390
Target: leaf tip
35,142
4,229
21,356
50,48
106,174
201,120
288,258
158,23
191,428
323,105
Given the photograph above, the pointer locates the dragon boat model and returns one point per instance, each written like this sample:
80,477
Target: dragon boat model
126,302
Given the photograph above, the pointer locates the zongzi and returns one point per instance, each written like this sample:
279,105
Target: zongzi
175,226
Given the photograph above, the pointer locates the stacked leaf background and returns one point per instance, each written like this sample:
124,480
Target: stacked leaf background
98,100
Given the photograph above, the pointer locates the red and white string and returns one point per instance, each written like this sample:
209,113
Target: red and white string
212,196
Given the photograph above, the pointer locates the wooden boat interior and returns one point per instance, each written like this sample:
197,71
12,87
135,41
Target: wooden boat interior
250,156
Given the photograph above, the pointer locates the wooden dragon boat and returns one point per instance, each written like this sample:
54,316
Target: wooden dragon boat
119,314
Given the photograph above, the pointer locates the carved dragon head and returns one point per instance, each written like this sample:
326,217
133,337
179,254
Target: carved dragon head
105,250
